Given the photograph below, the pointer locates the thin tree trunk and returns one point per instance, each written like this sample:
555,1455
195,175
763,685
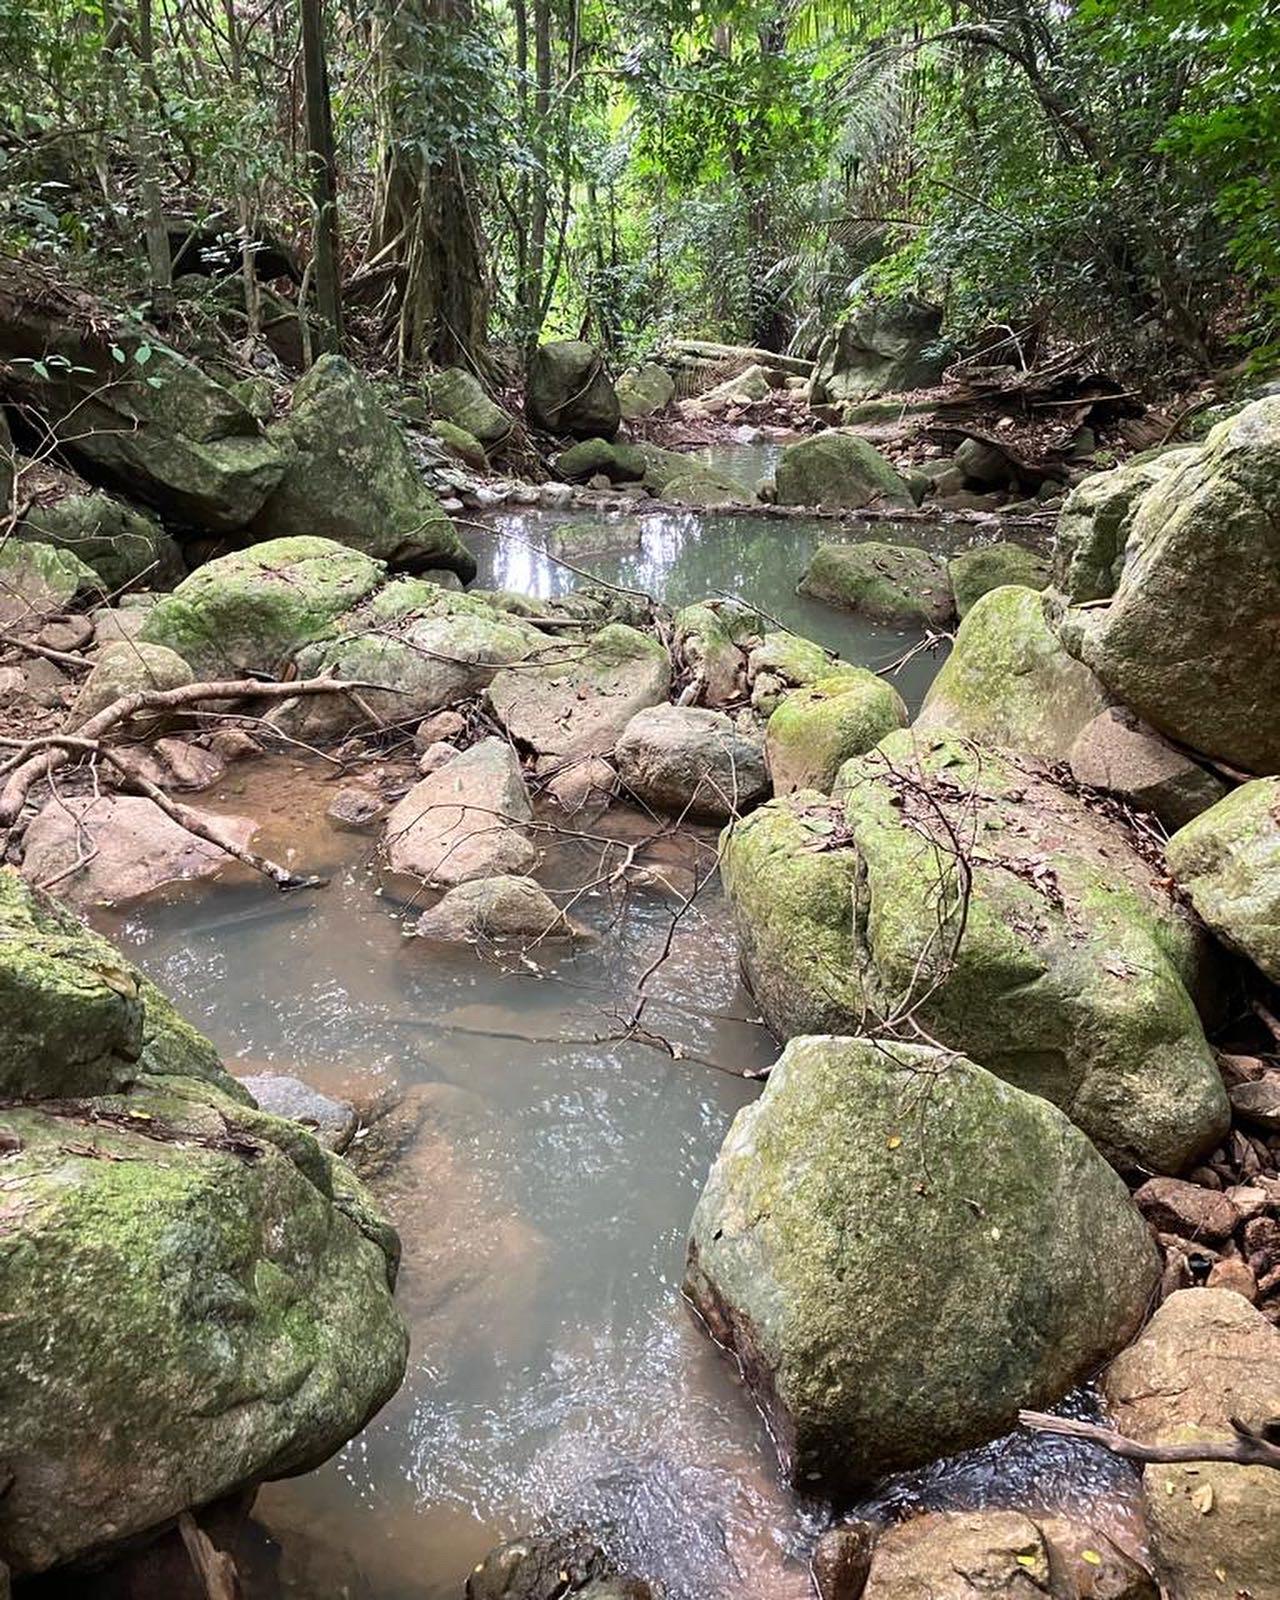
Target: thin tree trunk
159,261
252,298
323,171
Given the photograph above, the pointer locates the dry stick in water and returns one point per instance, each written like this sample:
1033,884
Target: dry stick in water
1250,1448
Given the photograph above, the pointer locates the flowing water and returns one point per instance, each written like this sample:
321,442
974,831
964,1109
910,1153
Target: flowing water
555,1376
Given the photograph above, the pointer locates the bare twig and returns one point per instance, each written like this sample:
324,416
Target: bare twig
1250,1448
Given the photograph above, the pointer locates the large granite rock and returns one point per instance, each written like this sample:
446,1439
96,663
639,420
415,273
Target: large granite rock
1117,752
1228,861
37,581
1207,1356
646,390
196,1296
460,398
1011,920
815,730
838,470
688,760
582,695
1188,641
125,668
1092,541
1010,681
147,422
467,820
872,1179
351,478
892,583
568,390
121,543
249,611
881,349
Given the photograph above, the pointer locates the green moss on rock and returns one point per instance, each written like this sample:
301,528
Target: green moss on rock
993,566
887,582
814,730
838,470
1228,861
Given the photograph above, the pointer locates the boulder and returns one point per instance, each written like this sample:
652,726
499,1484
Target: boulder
862,1155
250,610
127,668
145,421
111,849
1117,752
883,348
710,640
965,1555
1055,955
983,466
1207,1356
430,646
550,1566
568,390
887,582
39,580
746,388
75,1017
333,1122
620,463
584,693
1092,540
462,445
1188,641
702,489
841,1561
646,390
840,471
784,661
352,479
992,566
120,543
494,908
467,820
459,397
687,760
1228,861
815,730
1010,681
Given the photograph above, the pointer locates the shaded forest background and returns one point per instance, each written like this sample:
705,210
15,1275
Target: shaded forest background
501,172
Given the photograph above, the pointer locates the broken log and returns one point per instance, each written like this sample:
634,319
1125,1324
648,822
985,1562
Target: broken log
707,350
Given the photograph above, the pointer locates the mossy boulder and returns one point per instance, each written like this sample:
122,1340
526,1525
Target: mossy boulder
882,348
974,572
816,729
127,668
1010,681
251,610
1189,639
352,479
76,1018
872,1179
1097,519
646,390
1228,861
568,390
892,583
465,446
1206,1358
702,489
579,697
783,661
459,397
37,580
710,640
839,471
620,463
1012,920
121,543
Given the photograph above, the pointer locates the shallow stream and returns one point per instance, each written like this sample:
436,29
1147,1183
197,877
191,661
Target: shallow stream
555,1376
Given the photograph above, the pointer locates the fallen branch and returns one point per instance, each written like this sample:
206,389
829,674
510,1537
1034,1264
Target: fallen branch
214,1568
1251,1447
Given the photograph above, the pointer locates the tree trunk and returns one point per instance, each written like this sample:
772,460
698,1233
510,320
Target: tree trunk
323,172
426,219
147,151
530,289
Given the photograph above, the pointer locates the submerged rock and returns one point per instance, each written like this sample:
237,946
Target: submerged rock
112,849
992,566
863,1154
351,478
964,1555
581,695
333,1122
549,1566
1207,1356
1228,861
1049,950
1010,682
466,820
887,582
689,760
1188,640
815,730
495,908
841,471
1117,752
249,611
568,390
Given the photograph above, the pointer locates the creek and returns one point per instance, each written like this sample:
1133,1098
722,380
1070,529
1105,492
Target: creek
555,1377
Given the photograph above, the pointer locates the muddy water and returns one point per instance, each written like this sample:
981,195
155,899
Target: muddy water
555,1377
